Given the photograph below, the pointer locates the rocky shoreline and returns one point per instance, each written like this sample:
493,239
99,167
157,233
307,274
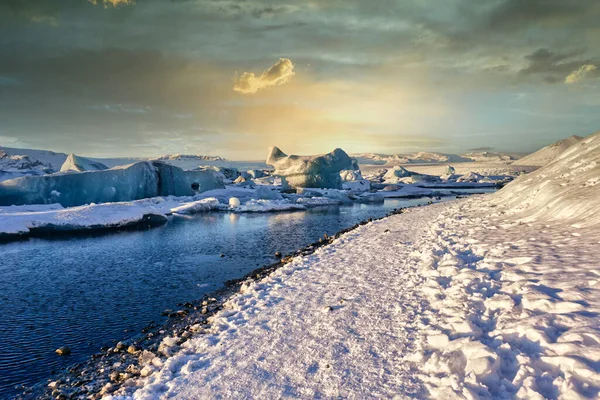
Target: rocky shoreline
118,366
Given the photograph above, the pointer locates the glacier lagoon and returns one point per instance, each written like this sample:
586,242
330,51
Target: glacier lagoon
90,291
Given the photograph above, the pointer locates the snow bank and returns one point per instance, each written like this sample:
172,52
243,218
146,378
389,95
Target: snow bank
548,153
567,189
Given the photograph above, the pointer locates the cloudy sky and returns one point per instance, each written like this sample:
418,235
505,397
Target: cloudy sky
232,77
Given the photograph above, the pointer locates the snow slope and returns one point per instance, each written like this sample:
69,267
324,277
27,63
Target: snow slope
456,300
566,190
548,153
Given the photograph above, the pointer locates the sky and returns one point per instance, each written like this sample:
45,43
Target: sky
233,77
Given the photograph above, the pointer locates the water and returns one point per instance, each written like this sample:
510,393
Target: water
87,292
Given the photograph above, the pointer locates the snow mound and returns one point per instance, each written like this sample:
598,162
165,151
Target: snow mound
81,164
567,189
321,171
548,153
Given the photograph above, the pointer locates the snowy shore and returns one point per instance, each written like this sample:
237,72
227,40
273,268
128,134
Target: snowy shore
454,300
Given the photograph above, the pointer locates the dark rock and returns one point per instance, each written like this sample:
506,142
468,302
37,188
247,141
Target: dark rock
63,351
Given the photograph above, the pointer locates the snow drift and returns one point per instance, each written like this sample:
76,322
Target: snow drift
548,153
567,189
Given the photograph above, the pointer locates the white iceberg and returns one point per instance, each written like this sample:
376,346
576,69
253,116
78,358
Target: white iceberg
322,171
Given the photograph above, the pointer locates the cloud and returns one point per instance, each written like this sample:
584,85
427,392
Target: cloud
580,73
553,66
278,74
113,3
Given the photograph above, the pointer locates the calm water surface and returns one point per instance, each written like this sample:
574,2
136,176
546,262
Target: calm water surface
87,292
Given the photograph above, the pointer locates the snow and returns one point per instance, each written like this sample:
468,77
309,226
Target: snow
564,190
22,219
81,164
321,171
548,153
14,166
494,296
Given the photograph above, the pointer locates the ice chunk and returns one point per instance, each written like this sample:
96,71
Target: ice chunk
131,182
197,206
81,164
351,175
357,186
322,171
269,206
396,172
268,193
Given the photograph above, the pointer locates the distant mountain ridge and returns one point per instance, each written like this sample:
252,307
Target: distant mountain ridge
431,157
180,157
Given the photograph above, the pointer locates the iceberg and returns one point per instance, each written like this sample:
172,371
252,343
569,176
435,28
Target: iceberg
125,183
322,171
81,164
351,175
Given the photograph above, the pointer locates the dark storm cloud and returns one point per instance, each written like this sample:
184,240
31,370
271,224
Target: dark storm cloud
554,67
513,14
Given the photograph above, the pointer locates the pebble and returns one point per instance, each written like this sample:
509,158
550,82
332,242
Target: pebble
132,349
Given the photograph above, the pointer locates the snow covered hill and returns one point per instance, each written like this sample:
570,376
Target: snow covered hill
548,153
567,189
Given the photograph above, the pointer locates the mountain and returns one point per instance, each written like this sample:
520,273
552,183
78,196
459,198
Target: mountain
183,157
548,153
414,158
